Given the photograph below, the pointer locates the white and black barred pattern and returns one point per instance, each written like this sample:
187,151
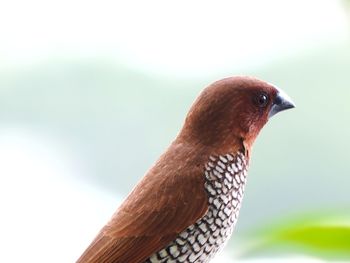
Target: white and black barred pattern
225,178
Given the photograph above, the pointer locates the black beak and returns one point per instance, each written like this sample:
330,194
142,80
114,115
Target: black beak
282,102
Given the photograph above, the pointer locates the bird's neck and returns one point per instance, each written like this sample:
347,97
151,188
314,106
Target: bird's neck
231,143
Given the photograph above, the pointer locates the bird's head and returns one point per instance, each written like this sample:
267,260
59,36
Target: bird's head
230,113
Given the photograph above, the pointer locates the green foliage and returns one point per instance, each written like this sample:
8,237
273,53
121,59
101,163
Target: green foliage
333,238
318,237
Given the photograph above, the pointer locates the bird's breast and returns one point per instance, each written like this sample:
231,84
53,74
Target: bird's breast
225,178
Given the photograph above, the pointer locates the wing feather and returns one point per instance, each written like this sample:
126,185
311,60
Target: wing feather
168,199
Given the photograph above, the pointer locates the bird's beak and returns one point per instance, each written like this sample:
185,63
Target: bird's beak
282,102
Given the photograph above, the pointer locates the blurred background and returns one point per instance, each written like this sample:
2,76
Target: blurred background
92,92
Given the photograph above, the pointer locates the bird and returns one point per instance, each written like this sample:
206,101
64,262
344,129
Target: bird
186,206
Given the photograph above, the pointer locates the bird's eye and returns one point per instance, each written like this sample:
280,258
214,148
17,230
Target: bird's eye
262,100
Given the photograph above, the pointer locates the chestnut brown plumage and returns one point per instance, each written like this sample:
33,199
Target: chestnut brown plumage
174,195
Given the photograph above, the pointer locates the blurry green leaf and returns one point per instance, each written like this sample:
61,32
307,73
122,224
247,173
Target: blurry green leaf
323,238
326,239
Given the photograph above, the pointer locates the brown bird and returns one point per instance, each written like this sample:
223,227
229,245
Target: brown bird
186,206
